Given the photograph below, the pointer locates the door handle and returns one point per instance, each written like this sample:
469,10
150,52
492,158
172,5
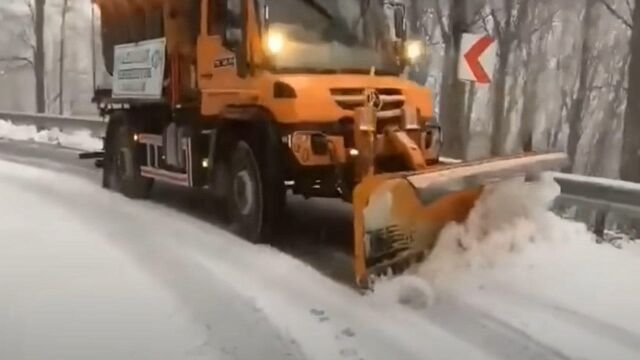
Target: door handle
207,75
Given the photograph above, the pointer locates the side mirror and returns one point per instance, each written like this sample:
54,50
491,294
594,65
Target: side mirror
400,23
265,18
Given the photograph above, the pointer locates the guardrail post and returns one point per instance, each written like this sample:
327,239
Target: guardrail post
600,224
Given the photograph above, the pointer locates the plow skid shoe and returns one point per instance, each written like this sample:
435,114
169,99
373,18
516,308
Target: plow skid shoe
398,217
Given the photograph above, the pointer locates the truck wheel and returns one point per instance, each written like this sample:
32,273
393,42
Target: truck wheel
122,161
245,196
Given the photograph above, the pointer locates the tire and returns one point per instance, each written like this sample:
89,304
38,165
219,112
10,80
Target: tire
122,160
245,196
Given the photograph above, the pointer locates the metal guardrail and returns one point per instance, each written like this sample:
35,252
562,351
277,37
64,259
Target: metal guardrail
600,200
604,194
604,197
95,125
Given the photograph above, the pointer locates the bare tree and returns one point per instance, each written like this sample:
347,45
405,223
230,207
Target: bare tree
576,111
532,48
630,164
63,24
507,31
37,15
32,37
630,157
452,90
598,163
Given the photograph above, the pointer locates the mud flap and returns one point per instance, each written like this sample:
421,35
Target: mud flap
398,217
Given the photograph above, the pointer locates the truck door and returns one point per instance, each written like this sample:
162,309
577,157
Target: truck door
222,60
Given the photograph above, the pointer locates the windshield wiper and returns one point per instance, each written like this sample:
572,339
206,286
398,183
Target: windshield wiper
365,71
312,70
319,8
305,70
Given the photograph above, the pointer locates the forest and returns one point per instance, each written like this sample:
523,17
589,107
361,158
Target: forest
565,76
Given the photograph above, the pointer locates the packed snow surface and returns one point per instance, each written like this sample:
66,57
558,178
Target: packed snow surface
88,274
81,140
85,273
632,246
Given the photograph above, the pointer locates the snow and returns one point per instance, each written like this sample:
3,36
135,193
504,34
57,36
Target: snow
514,265
631,246
80,140
90,274
447,160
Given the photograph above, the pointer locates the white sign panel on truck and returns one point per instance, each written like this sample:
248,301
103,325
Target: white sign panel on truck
138,70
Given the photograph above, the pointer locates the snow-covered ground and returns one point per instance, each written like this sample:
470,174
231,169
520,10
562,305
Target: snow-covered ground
81,140
632,246
85,273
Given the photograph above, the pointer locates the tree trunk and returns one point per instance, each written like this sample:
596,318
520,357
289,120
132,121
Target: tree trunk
466,121
63,24
528,113
630,164
39,57
452,91
530,94
576,112
500,129
508,35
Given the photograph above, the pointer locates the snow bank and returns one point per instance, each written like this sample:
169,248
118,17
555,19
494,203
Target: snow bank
632,246
515,265
508,218
80,140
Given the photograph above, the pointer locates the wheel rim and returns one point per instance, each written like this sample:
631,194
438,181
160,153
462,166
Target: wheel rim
243,192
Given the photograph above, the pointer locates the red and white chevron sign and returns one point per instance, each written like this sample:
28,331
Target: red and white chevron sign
477,58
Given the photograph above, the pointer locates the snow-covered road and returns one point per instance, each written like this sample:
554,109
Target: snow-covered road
87,274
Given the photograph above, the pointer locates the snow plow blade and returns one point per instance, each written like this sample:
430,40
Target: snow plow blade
398,217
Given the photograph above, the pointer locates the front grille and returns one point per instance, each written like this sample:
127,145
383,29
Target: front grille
351,98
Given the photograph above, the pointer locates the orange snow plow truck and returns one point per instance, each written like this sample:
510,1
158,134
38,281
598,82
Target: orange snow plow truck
251,99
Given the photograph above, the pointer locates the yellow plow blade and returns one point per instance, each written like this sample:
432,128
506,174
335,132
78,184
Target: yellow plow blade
398,217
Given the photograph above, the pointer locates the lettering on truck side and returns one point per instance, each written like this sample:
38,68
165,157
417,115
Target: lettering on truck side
224,62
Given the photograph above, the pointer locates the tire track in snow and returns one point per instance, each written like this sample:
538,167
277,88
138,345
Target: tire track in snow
607,330
211,302
495,336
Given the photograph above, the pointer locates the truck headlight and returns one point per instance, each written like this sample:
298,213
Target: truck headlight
275,42
414,50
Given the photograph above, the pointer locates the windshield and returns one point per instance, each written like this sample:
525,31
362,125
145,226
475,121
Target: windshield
333,36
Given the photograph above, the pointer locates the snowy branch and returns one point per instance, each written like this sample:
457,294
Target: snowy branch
23,59
446,34
32,10
496,23
616,14
485,24
546,22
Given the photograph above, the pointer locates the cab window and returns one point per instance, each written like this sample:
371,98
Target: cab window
225,19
